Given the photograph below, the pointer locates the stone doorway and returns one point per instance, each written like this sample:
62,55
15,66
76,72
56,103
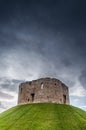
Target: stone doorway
64,99
32,96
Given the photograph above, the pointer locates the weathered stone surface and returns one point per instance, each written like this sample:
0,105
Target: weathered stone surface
43,90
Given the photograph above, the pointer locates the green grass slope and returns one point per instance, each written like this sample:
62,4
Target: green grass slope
43,116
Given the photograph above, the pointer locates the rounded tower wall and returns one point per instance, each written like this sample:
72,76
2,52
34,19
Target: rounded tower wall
43,90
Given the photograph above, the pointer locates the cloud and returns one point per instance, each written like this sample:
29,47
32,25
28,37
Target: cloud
82,78
5,96
1,106
42,39
83,107
78,90
8,92
9,84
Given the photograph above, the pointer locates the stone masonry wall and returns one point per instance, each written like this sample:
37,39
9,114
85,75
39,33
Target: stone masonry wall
43,90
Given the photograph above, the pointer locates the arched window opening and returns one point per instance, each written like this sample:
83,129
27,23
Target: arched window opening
42,85
64,99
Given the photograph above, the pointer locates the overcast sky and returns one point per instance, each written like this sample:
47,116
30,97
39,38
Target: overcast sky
42,38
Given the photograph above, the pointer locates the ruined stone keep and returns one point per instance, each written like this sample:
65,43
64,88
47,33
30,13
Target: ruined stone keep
43,90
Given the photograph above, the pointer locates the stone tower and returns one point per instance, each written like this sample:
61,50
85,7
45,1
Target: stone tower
43,90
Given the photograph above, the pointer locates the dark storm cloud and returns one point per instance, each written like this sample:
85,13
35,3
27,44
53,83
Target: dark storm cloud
82,78
53,29
9,84
54,14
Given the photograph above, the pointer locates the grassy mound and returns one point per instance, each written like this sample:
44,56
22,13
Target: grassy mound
43,116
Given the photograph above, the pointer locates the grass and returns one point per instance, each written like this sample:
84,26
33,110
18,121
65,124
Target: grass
43,116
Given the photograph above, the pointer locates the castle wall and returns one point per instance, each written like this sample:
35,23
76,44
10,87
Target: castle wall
43,90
